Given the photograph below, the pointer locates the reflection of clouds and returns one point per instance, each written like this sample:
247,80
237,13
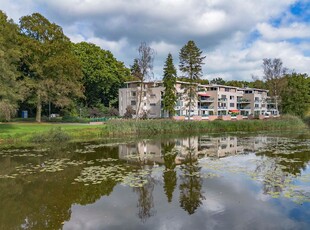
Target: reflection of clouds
212,205
232,201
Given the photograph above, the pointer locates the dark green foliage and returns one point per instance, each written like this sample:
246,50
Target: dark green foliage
169,175
50,70
53,135
218,81
169,81
191,61
9,56
103,74
135,70
191,194
295,97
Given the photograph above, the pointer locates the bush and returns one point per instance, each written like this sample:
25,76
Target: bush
74,119
53,135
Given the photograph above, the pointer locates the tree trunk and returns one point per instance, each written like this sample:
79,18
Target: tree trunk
190,103
139,102
39,110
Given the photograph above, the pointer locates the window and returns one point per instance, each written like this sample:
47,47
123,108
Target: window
226,89
232,104
256,105
213,89
144,94
133,103
153,95
256,99
152,104
231,97
133,94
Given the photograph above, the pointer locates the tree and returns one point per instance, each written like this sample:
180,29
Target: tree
103,75
50,70
191,61
191,194
273,75
169,174
218,81
9,56
169,81
142,69
296,96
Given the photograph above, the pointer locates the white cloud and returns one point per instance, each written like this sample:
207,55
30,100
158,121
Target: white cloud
222,29
295,30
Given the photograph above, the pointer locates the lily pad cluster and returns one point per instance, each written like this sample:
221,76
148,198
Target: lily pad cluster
23,152
98,174
137,178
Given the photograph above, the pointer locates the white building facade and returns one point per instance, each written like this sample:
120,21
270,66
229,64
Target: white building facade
209,100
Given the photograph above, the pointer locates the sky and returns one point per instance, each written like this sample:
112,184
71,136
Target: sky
234,35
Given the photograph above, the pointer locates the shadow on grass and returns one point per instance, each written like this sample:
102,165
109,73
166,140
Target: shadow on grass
6,128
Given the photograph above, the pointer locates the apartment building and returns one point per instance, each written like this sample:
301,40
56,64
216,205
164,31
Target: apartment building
209,100
148,95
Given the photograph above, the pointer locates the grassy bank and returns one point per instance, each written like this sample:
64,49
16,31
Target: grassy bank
16,133
153,127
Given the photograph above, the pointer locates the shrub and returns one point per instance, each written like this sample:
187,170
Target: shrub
53,135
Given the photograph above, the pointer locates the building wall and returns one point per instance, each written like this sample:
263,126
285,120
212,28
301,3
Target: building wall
150,99
217,99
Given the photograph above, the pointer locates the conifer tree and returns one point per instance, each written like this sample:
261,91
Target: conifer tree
169,80
191,61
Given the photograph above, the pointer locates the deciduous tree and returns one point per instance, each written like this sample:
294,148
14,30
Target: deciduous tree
9,56
218,81
143,70
273,75
50,70
296,95
103,74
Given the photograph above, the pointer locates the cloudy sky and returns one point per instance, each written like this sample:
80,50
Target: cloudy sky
235,35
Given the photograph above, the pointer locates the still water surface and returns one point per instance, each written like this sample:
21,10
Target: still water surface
200,182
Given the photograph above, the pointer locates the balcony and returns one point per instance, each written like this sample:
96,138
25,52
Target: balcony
206,107
242,100
222,99
206,99
222,108
244,108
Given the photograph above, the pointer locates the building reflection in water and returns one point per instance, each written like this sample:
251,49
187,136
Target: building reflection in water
153,151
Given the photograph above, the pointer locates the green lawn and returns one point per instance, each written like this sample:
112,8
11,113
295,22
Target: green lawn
23,131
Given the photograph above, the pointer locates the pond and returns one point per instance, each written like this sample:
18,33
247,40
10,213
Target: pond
199,182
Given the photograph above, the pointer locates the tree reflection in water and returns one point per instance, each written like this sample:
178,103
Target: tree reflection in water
145,202
191,183
169,174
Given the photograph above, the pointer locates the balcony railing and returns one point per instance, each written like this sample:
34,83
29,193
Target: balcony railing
206,107
206,99
243,101
222,99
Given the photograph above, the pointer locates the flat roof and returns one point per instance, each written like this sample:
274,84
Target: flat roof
210,85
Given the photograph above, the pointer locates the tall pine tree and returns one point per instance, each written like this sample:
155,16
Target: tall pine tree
169,80
191,61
